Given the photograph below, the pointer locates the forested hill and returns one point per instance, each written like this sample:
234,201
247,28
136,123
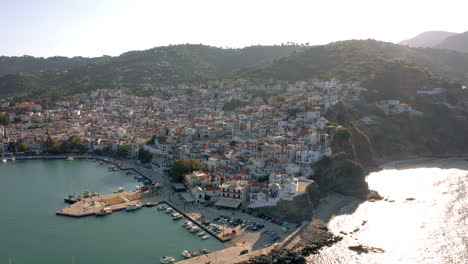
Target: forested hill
14,65
362,60
136,69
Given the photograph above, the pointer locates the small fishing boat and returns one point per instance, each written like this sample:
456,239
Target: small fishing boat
205,237
4,160
204,251
70,158
132,207
188,224
119,190
201,233
13,158
186,254
150,204
169,210
71,199
162,207
167,260
176,216
104,211
194,229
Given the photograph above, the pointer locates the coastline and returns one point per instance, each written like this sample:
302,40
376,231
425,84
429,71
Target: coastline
307,240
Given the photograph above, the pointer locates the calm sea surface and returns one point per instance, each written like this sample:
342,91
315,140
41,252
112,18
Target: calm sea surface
30,232
433,228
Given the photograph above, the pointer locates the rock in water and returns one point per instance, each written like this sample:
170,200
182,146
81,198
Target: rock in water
366,249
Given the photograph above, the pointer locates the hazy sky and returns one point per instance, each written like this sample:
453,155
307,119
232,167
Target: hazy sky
97,27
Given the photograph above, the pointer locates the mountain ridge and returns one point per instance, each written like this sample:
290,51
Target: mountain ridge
428,39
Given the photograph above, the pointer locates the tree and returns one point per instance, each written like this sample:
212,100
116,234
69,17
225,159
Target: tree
72,144
21,145
4,119
162,139
52,146
144,156
183,166
122,151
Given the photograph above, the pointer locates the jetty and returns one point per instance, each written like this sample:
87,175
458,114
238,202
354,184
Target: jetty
114,201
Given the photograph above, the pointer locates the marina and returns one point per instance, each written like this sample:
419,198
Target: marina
133,237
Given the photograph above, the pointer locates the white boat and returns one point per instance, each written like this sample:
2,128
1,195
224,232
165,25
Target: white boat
133,207
167,260
194,229
104,211
4,160
201,233
70,158
169,210
205,237
162,207
177,216
13,159
188,224
186,254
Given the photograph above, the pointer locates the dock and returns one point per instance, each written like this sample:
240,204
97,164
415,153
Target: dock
113,201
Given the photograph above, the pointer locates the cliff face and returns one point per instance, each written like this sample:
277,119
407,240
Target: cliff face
341,175
439,131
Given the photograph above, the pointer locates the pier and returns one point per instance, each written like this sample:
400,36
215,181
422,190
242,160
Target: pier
113,201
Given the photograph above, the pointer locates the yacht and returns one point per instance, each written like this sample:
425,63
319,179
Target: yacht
205,237
4,160
167,260
133,207
201,233
169,210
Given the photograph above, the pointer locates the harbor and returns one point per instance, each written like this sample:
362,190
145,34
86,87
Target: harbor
237,231
140,236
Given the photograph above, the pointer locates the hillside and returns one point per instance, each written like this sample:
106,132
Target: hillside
428,39
457,42
14,65
362,60
141,69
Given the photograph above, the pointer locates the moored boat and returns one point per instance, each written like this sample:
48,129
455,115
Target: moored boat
169,210
4,160
133,207
104,211
162,207
71,199
176,216
188,224
186,254
201,233
204,251
167,260
194,229
205,237
70,158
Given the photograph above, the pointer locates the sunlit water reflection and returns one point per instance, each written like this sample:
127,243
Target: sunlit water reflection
432,228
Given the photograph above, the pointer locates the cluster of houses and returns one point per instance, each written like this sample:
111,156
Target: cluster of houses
256,154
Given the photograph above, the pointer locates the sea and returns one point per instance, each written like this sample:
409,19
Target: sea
427,221
30,232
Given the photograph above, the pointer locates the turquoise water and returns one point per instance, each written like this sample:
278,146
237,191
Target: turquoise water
30,232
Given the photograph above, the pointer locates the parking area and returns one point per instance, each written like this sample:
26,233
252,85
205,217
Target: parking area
257,230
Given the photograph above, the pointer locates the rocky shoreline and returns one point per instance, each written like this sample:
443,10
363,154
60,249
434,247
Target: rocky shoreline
312,238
